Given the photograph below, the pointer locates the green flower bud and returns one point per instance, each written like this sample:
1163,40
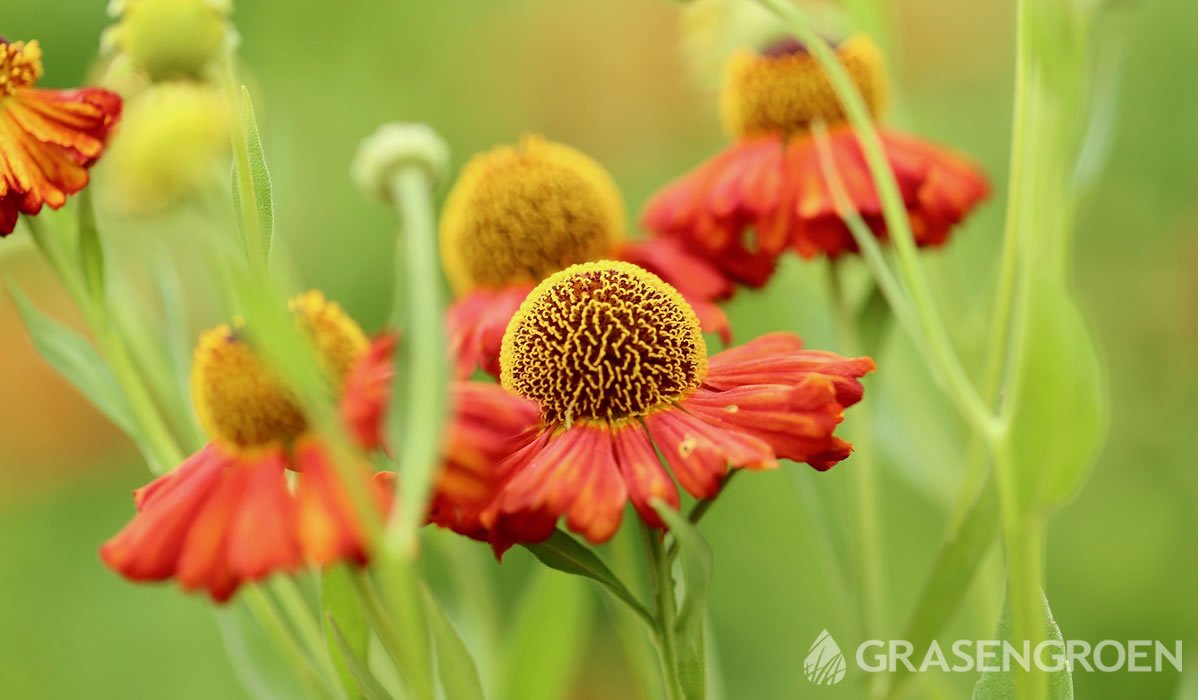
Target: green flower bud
171,39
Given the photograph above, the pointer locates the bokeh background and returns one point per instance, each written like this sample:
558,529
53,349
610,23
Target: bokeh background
608,77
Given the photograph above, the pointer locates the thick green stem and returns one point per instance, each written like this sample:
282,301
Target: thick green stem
865,477
419,301
665,612
1023,543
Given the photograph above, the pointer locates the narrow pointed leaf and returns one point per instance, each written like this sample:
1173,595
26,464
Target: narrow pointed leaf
563,553
695,558
76,360
999,685
354,664
456,668
260,177
349,639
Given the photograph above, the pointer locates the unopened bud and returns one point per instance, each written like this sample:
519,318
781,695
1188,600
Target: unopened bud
395,147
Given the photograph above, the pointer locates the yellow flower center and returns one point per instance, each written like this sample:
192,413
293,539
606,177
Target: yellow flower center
783,90
518,214
20,65
241,403
604,342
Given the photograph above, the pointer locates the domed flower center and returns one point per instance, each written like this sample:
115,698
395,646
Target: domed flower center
604,341
519,214
241,403
783,89
20,65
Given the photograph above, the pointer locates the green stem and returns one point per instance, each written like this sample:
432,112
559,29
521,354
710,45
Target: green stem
663,587
419,299
306,624
1019,196
943,357
152,431
698,511
1023,544
269,617
407,643
866,488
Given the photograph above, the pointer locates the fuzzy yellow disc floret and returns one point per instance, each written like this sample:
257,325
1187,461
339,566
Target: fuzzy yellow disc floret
240,402
783,90
518,214
20,65
604,342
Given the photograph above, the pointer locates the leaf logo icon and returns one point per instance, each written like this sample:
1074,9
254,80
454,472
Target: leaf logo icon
825,664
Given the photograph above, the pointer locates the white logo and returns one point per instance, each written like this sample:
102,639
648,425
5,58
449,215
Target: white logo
825,664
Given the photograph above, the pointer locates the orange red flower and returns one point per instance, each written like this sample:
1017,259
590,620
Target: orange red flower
615,362
519,214
228,515
48,138
771,181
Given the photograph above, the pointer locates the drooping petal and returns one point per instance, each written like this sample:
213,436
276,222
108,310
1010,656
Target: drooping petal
367,391
645,478
330,528
48,140
776,193
148,547
700,454
573,473
216,522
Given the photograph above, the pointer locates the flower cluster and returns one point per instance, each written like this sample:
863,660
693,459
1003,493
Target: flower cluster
608,394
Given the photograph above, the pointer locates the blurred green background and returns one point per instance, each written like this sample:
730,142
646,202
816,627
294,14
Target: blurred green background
607,76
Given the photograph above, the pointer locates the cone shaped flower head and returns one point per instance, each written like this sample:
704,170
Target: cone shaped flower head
614,360
48,138
517,215
768,192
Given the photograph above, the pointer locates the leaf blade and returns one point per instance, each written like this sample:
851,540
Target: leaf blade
76,360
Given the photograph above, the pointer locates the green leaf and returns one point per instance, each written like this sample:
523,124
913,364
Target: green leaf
950,576
695,558
254,160
563,553
348,639
456,668
1058,414
76,360
544,647
255,660
91,250
999,685
354,664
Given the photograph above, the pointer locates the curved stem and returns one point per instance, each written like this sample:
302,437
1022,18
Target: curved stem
945,361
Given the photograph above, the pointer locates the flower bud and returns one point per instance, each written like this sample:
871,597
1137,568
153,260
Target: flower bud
173,142
394,147
171,39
